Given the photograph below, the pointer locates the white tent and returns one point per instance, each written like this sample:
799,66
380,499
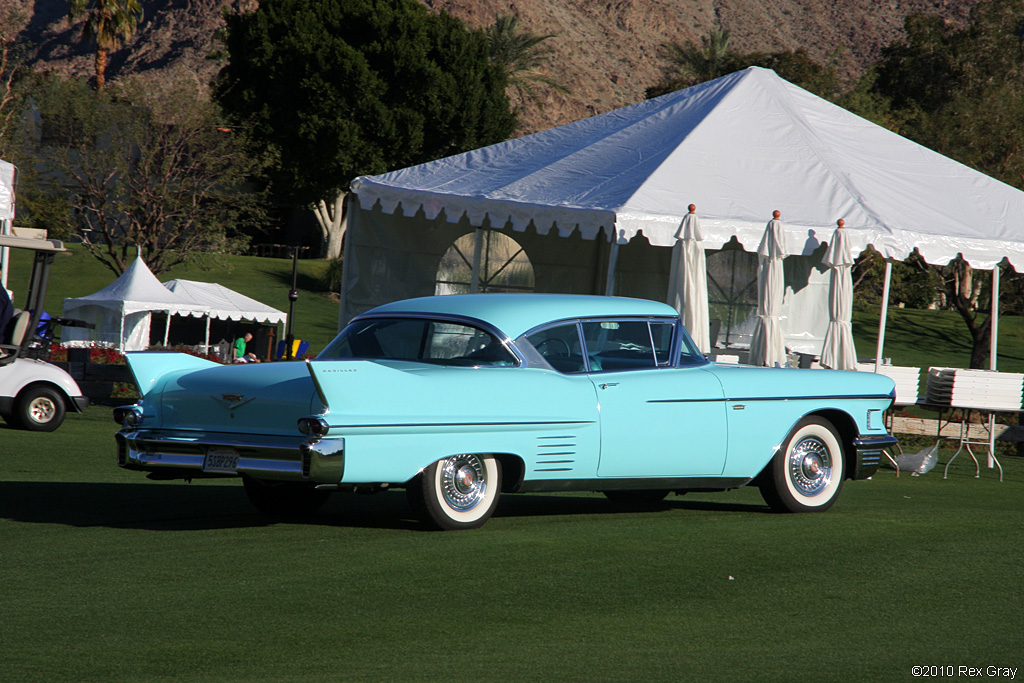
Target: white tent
8,173
225,304
738,147
121,310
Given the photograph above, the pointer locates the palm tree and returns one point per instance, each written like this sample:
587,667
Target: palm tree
107,23
698,64
522,54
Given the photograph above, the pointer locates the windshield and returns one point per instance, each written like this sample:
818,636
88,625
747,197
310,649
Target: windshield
421,340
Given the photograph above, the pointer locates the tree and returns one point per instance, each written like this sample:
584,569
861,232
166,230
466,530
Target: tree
688,64
146,165
960,91
108,23
340,88
913,283
522,54
11,62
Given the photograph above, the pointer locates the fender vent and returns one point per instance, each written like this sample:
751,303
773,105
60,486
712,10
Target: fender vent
555,453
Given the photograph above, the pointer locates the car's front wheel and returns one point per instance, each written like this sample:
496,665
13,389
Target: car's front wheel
460,492
39,409
807,472
284,499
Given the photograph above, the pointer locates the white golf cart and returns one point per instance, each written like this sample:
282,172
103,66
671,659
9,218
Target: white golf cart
34,394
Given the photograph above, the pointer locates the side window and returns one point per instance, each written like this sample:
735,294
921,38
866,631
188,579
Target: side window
560,347
620,345
419,340
688,352
661,338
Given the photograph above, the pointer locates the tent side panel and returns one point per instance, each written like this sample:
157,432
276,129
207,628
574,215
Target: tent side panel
643,270
389,257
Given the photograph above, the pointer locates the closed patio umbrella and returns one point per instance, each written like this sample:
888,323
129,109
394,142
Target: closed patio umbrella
839,352
688,281
766,345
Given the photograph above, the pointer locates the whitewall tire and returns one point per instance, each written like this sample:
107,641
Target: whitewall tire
459,492
806,474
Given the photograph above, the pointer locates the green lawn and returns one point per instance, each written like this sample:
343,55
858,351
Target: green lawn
924,338
109,577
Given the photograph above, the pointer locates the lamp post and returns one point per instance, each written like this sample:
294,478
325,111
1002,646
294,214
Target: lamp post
293,295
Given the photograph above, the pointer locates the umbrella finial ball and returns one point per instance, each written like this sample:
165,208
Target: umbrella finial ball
776,213
692,208
840,223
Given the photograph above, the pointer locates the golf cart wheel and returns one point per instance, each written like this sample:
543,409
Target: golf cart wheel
39,409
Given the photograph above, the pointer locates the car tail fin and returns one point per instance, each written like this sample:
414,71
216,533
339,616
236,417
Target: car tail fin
149,366
316,383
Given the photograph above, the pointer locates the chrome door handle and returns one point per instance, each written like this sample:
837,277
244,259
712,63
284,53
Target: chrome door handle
608,384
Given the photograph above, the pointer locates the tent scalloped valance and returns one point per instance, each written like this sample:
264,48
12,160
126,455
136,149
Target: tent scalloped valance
738,147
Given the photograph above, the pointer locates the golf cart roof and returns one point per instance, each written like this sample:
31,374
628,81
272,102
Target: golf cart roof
31,243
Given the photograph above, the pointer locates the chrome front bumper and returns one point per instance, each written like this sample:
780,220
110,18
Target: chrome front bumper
183,455
870,451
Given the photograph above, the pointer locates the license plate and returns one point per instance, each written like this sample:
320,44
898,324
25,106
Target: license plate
221,460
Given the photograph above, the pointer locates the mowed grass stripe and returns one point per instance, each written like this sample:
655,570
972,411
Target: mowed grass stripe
107,576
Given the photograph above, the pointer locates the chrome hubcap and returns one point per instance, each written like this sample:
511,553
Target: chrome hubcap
810,466
463,482
42,410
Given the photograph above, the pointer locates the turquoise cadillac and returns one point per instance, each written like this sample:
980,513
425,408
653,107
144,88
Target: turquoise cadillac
460,398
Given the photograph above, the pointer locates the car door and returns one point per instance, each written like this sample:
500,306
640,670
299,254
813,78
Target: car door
657,420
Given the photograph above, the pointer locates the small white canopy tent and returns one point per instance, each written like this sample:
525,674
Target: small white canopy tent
8,172
222,303
121,310
225,304
738,147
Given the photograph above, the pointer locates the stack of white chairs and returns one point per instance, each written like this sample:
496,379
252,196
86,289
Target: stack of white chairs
978,389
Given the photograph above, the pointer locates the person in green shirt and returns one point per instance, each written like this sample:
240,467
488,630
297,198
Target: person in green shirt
240,354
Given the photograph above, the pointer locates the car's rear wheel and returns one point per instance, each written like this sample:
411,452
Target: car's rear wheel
284,499
806,474
460,492
39,409
637,499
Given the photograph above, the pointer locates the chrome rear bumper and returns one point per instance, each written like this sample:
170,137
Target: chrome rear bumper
183,455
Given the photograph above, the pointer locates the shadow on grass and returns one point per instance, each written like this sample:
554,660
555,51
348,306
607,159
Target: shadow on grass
530,505
184,507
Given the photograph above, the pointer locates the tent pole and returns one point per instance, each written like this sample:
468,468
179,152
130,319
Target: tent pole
992,358
994,327
4,254
884,315
167,329
478,245
613,259
206,340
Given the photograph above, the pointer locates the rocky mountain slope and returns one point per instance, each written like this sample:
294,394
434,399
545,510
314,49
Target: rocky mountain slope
605,51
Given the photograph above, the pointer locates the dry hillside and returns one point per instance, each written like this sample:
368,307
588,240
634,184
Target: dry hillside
605,51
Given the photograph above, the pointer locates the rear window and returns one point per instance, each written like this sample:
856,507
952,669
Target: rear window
421,340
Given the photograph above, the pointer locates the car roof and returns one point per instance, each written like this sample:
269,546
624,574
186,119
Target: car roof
515,314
